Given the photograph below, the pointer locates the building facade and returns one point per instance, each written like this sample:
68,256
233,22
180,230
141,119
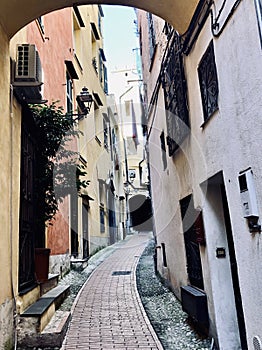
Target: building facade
203,164
238,42
59,58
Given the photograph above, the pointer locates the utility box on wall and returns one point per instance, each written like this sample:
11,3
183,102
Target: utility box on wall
248,194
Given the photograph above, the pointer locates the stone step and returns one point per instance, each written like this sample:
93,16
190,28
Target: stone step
51,337
36,317
51,283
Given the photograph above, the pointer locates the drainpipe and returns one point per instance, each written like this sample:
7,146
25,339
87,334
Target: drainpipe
125,154
11,217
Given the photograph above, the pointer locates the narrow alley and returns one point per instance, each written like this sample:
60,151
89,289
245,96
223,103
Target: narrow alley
131,174
124,305
108,313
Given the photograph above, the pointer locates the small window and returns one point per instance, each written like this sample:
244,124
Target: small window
163,150
106,127
163,246
152,35
208,81
128,108
102,219
258,4
41,24
69,94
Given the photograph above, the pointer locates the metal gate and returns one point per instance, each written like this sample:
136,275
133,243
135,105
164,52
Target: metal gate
27,205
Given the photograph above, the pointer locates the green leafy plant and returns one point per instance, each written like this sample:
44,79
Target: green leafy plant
58,172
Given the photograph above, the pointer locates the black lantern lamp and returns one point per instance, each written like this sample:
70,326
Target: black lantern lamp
84,101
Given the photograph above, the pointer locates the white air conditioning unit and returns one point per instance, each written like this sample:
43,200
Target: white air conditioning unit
28,69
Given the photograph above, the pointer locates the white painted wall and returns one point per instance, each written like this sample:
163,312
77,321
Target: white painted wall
229,142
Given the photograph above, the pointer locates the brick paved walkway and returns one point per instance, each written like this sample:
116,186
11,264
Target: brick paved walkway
108,313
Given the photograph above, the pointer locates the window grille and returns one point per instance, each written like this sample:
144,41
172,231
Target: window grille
69,94
102,220
208,81
152,35
175,94
105,124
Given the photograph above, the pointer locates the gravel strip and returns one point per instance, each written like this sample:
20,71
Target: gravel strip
164,310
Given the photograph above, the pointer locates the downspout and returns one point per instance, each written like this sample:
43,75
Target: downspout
11,218
126,163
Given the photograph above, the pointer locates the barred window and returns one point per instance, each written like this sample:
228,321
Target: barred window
175,93
102,219
208,81
152,35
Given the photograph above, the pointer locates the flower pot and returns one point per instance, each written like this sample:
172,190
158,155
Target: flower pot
42,264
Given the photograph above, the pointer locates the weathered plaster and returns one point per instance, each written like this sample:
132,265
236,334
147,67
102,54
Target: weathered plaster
7,324
59,264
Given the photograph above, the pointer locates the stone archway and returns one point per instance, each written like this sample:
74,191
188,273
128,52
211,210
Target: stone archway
14,15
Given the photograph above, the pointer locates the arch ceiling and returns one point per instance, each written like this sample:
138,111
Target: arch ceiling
15,14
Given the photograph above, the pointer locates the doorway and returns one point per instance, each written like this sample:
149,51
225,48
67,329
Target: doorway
194,265
85,229
226,292
27,220
234,271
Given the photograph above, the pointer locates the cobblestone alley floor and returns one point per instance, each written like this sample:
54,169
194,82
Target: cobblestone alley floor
106,319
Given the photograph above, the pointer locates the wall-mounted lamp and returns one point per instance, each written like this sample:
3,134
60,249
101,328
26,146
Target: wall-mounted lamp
84,101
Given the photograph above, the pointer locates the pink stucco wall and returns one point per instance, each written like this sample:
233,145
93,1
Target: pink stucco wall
55,46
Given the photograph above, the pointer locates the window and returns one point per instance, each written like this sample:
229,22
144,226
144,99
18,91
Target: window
105,80
152,35
77,39
69,94
208,81
41,24
100,15
106,126
258,4
102,219
163,150
175,94
128,108
163,247
98,123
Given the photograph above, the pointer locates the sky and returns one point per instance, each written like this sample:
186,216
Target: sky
119,36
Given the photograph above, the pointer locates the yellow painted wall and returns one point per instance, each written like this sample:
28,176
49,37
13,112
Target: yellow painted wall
93,151
10,131
5,161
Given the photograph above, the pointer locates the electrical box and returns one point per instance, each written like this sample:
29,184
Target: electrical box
248,194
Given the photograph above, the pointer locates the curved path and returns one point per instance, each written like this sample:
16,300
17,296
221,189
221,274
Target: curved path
108,313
